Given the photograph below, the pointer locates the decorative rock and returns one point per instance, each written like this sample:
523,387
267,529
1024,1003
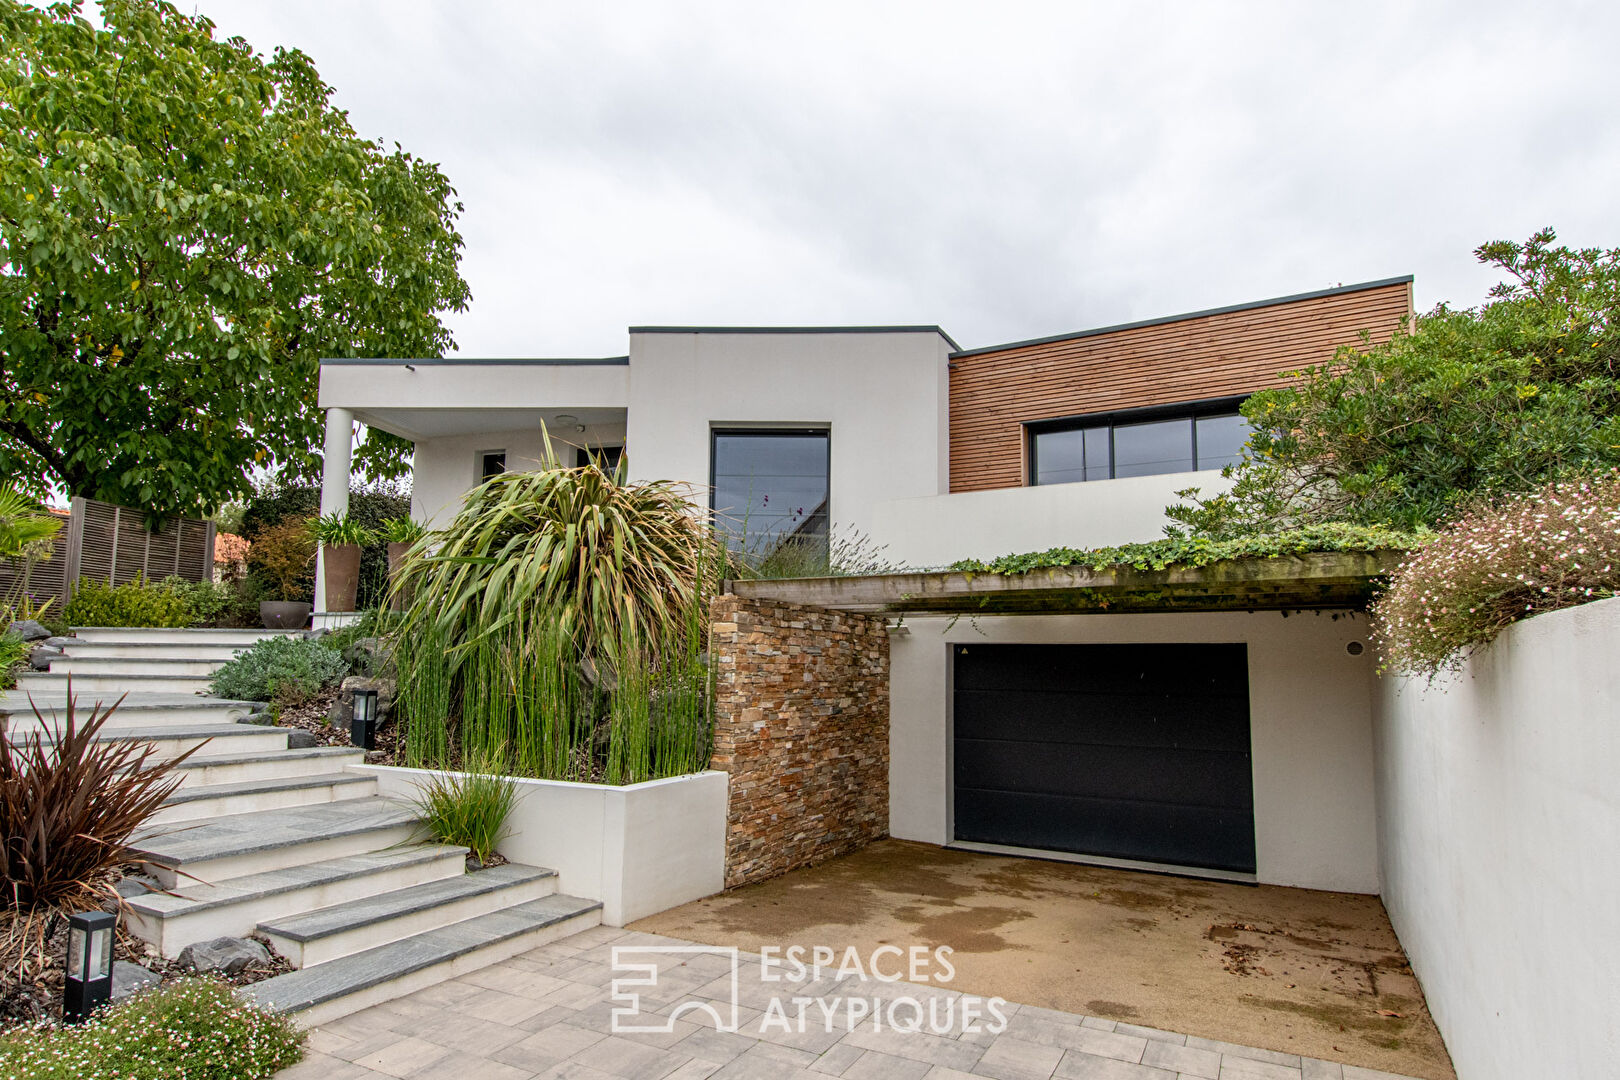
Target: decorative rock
128,978
135,885
299,739
261,718
28,630
41,656
60,642
226,954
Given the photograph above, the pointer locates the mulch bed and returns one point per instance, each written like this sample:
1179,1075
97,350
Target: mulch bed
30,996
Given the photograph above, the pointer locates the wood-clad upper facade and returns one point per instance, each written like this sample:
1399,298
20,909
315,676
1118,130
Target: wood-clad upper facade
996,392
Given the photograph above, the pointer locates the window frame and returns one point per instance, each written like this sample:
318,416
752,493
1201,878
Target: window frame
1191,411
479,477
804,431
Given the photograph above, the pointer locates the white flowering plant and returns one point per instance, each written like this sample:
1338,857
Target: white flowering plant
195,1029
1505,561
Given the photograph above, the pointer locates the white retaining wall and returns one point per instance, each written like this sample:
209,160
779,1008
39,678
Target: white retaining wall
639,849
1499,825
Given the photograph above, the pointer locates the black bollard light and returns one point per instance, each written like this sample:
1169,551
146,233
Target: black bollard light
363,728
88,984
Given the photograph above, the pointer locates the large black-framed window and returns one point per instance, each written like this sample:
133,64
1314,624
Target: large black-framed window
769,487
1186,437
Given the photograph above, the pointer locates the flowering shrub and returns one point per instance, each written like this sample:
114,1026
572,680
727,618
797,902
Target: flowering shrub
196,1029
1555,548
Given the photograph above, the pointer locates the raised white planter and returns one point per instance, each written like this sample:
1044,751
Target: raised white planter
639,849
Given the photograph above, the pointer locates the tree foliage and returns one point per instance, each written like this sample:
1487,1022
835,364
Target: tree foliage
1466,404
186,228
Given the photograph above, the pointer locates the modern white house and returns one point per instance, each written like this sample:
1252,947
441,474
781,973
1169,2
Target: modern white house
1257,764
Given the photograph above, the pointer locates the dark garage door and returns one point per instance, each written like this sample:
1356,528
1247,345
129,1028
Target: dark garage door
1128,751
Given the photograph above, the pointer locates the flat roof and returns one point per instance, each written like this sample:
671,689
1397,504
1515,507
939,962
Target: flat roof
1163,319
1336,580
796,330
437,361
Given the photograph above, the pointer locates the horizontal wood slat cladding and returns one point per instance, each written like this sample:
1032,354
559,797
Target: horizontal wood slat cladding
995,393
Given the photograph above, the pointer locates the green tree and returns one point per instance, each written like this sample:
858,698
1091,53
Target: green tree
186,227
1467,404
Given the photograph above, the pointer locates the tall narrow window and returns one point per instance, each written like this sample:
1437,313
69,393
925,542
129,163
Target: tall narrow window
770,490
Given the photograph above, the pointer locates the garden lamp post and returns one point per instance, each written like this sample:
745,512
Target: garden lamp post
363,728
89,963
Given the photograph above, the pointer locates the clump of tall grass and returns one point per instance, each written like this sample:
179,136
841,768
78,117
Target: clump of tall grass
470,808
560,620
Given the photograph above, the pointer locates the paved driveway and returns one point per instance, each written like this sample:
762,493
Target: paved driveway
1313,973
549,1013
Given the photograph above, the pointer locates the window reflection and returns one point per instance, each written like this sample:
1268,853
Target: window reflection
770,489
1100,450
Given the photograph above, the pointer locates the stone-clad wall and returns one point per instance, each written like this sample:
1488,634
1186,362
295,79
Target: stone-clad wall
802,725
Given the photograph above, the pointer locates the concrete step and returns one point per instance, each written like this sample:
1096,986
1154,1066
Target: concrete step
198,911
148,635
324,992
105,686
358,925
193,802
345,929
82,667
137,710
243,844
171,740
266,765
179,650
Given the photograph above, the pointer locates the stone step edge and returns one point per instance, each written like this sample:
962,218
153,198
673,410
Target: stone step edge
163,732
273,755
175,904
60,678
188,631
403,817
385,907
198,792
303,989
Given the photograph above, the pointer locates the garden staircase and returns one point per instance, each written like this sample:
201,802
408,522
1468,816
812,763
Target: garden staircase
288,843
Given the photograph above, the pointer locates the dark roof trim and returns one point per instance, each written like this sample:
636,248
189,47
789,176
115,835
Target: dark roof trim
1162,320
606,361
797,330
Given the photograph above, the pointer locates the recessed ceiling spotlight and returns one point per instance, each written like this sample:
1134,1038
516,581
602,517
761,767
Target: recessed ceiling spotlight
567,419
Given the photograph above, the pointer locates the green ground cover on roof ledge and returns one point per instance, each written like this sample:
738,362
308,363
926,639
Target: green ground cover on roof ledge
1203,550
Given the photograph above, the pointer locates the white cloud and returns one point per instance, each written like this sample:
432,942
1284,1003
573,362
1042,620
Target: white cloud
1007,170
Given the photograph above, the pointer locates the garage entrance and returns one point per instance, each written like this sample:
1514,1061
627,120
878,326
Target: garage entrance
1137,752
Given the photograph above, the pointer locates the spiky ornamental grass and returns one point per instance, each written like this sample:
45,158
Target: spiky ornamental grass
196,1029
1503,562
548,592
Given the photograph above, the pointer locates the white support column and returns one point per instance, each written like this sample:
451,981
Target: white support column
334,482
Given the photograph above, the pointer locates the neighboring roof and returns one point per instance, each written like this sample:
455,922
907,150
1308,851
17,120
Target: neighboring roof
1334,580
1163,319
796,330
605,361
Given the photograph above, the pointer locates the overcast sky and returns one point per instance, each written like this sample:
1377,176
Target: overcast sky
1004,170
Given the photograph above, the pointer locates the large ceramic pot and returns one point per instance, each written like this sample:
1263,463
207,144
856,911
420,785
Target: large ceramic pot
284,614
342,562
397,599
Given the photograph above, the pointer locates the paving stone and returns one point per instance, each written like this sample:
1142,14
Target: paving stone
1151,1034
1240,1068
837,1059
1110,1044
1078,1066
1226,1049
1187,1060
1097,1023
402,1056
1356,1072
316,1066
872,1065
918,1046
1317,1069
620,1057
1009,1058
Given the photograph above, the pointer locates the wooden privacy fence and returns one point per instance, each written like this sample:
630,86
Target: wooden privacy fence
107,542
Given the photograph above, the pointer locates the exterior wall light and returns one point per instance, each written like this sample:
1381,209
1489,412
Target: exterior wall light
363,728
89,964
